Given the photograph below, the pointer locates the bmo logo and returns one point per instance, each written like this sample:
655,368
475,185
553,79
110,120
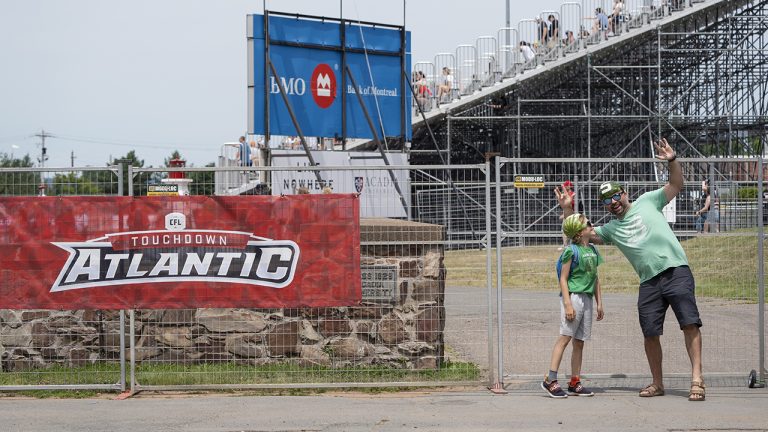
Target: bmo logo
323,85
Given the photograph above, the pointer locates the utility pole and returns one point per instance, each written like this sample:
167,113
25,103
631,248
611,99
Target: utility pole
44,150
72,159
43,157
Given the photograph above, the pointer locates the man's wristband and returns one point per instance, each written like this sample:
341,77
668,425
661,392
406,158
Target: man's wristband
673,159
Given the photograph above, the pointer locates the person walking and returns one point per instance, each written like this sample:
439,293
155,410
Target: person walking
642,234
701,214
579,284
712,204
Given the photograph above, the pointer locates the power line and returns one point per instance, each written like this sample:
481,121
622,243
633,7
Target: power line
14,138
153,145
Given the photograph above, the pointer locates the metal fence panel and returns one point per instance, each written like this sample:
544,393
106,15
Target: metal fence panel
51,349
28,181
431,330
725,260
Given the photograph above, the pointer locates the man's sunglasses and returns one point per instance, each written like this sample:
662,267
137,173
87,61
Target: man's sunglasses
609,200
589,224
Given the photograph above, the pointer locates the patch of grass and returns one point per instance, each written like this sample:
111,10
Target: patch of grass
58,394
98,373
288,373
725,266
232,373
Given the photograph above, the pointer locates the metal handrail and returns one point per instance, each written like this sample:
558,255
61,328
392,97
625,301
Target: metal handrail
634,16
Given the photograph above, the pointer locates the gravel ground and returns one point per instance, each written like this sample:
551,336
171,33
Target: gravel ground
531,322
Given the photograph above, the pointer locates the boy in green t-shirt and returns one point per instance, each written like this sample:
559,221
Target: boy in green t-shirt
577,287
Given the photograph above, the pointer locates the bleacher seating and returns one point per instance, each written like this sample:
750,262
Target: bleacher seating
493,59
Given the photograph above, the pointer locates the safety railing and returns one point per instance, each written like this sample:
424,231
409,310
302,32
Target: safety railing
547,37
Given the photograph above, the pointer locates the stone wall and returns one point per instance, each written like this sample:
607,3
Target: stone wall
405,333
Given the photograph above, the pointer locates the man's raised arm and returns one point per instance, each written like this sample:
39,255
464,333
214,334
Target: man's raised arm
675,182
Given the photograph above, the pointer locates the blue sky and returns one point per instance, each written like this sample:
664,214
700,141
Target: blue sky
106,77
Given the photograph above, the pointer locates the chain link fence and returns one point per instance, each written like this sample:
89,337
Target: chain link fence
60,349
725,254
409,330
431,244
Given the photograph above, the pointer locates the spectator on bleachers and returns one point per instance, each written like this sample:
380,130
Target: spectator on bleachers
446,85
553,31
569,40
243,155
292,143
254,153
601,22
527,51
618,7
584,33
543,32
423,93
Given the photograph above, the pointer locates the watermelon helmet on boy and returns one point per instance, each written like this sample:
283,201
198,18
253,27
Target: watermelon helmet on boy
573,225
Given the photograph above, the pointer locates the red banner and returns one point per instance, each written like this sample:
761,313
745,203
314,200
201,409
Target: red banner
179,252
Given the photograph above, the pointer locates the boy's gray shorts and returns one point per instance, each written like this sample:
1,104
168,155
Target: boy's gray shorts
581,326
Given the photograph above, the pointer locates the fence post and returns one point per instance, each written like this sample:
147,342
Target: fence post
130,180
760,269
498,387
488,268
122,349
120,174
133,349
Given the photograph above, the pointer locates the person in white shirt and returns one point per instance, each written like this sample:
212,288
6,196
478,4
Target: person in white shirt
527,51
446,85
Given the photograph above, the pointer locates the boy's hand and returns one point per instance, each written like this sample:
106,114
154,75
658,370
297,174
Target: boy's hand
600,313
570,314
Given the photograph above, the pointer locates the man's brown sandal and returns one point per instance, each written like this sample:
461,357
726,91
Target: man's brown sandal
698,391
652,390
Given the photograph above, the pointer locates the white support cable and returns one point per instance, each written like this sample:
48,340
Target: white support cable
370,74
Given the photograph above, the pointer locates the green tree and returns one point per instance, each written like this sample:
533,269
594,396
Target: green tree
17,183
203,181
72,184
107,182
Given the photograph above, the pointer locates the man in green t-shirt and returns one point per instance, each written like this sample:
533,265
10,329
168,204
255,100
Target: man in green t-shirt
642,234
